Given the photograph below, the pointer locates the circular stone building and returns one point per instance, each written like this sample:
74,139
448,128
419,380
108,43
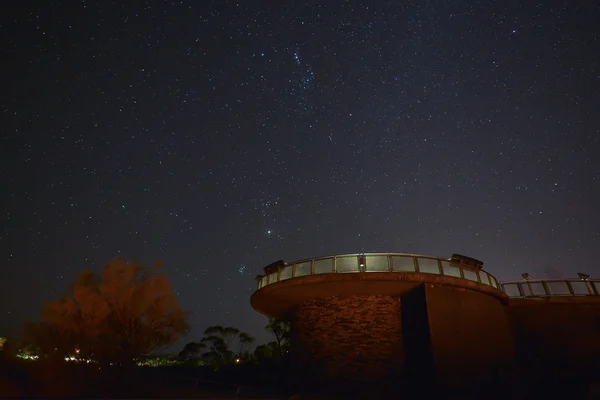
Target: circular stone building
383,319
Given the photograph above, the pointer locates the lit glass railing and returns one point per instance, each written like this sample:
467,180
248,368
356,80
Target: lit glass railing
552,287
377,262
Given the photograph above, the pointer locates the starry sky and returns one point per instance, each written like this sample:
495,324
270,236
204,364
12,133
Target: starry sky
220,136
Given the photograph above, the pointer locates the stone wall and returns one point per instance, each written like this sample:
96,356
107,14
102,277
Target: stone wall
347,339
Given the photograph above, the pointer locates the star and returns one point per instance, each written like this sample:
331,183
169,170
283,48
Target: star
289,133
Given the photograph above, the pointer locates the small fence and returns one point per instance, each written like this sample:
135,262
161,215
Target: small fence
552,287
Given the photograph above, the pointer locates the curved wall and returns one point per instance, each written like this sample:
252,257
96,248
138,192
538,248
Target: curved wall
470,330
558,332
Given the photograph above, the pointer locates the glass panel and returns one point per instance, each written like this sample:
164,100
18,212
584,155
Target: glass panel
347,264
493,281
377,264
273,277
451,269
483,278
285,273
526,289
302,269
580,288
512,290
558,288
538,289
403,264
428,266
263,282
470,275
597,286
324,266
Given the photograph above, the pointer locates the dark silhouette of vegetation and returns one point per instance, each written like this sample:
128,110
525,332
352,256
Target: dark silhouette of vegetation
115,318
217,346
267,353
281,331
191,350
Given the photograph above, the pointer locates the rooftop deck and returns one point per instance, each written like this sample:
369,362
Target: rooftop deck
416,263
376,262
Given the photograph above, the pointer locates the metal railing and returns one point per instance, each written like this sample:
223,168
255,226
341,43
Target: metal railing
552,287
377,262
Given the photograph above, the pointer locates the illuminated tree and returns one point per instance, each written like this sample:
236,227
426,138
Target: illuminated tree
117,317
6,349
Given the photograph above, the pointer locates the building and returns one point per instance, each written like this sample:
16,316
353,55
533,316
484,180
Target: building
391,319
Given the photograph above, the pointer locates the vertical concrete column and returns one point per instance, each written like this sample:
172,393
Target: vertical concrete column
471,335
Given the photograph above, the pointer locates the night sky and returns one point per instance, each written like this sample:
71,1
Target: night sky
220,136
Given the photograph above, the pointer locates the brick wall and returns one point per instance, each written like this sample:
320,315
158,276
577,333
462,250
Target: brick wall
345,339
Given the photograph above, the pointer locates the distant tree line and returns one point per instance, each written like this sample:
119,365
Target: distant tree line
216,348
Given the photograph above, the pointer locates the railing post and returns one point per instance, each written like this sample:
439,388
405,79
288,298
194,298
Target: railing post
594,288
546,288
589,287
570,288
530,288
520,289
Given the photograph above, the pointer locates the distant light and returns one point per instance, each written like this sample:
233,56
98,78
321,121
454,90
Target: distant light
525,276
237,360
